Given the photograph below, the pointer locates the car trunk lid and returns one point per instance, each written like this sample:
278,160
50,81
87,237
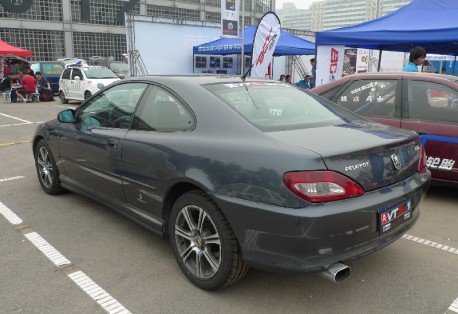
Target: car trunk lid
371,154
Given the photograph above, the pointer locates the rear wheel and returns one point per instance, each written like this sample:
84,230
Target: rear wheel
47,171
62,98
203,242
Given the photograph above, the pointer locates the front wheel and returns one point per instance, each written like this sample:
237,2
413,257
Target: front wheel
87,95
47,171
62,98
204,245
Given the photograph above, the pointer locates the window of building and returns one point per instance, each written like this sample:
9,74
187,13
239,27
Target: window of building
45,45
99,44
104,12
213,17
43,10
172,12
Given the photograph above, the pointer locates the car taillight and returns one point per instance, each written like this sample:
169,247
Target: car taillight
422,160
321,186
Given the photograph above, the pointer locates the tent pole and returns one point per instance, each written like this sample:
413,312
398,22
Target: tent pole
454,65
379,60
243,39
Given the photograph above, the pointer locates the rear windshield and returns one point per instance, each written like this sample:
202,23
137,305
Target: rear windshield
99,73
273,106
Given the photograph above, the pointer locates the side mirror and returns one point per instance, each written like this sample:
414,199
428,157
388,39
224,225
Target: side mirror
77,78
100,86
66,116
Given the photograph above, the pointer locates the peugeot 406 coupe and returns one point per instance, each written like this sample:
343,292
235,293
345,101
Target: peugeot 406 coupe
238,173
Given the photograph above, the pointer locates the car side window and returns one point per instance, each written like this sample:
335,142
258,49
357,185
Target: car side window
66,74
77,72
433,102
370,97
112,108
161,111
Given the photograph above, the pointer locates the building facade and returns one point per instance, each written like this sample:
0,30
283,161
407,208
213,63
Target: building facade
55,29
331,14
291,17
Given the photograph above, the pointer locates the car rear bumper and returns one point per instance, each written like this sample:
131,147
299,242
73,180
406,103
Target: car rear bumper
312,238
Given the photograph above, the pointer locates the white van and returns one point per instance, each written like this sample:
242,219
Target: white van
79,82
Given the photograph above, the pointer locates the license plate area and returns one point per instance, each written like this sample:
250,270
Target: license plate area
394,215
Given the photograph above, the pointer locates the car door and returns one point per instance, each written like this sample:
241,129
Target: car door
431,109
149,159
64,82
77,84
375,98
91,147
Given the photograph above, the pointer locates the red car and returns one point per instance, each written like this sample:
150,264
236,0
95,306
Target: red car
423,102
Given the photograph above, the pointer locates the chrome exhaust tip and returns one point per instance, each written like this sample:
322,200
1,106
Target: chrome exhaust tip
337,272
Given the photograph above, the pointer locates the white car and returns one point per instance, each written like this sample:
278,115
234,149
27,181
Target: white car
79,82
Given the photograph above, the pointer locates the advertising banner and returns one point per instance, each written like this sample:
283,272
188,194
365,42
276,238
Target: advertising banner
362,61
230,11
329,66
265,40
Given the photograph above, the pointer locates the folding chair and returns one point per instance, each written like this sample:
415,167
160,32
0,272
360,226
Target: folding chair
6,97
33,96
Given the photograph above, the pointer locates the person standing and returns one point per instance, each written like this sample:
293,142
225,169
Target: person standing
313,77
417,57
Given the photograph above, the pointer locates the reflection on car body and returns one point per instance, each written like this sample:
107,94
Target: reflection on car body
426,103
238,173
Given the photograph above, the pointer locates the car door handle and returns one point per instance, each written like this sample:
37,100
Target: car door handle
112,143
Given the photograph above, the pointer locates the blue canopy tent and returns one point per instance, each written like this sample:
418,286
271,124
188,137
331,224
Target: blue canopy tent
287,45
431,24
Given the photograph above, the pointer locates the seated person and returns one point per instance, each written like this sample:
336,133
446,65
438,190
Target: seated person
29,71
43,83
7,85
43,87
305,83
29,86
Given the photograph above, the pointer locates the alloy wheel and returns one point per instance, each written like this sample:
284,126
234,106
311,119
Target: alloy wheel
45,167
198,242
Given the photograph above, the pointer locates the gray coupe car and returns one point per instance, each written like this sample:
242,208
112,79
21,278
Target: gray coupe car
238,173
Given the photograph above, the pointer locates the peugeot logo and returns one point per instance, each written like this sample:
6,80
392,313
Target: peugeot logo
396,161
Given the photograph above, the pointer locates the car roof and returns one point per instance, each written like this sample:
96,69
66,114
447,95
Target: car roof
198,79
85,66
405,74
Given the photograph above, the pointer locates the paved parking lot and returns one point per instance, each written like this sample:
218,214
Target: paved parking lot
68,254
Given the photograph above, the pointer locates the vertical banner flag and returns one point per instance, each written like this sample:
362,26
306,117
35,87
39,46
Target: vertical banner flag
230,18
265,40
329,65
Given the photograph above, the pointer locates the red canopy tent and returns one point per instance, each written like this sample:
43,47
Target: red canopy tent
6,49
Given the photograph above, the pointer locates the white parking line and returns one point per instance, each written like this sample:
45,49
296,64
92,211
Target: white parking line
454,307
11,178
16,118
106,301
99,295
9,215
47,249
433,244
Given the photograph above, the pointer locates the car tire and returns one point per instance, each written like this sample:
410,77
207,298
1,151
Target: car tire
87,95
62,98
194,221
47,171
